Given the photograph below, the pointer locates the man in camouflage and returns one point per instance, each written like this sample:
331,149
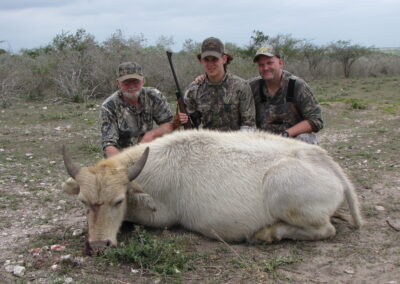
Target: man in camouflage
222,101
127,115
284,103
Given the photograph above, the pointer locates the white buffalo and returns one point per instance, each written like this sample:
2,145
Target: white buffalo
232,186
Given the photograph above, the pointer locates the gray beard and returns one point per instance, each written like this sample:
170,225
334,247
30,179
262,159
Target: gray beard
132,96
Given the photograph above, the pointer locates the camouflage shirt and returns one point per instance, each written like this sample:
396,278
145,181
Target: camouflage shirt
225,106
276,114
123,125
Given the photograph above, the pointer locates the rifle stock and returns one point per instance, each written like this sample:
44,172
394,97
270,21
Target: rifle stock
181,103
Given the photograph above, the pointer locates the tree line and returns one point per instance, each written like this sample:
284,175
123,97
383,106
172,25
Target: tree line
77,67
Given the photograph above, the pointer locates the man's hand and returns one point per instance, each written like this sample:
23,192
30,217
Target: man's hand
200,79
111,151
179,119
183,118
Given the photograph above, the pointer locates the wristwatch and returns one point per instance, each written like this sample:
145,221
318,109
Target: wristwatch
285,134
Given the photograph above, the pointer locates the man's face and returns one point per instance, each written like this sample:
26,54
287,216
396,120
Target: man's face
131,87
270,68
214,66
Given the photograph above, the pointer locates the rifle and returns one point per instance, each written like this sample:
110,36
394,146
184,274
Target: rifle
181,104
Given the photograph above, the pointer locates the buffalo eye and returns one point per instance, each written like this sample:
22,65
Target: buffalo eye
118,203
83,202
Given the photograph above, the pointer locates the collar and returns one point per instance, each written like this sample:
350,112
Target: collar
208,82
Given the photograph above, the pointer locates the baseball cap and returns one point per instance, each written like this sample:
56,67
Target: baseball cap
129,70
212,47
266,50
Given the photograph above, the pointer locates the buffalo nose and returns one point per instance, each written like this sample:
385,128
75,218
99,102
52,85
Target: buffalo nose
98,247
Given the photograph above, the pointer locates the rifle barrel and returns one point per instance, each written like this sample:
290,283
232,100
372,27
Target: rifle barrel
181,104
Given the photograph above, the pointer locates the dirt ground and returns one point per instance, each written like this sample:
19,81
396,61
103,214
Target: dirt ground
36,214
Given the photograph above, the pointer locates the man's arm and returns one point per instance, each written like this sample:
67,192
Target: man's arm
157,132
309,109
247,108
109,132
189,99
162,115
303,126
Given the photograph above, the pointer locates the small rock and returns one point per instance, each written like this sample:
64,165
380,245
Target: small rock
68,280
58,128
395,224
45,248
62,202
380,208
349,271
9,268
54,267
134,271
7,262
19,270
2,150
77,232
79,260
57,247
65,257
45,107
391,282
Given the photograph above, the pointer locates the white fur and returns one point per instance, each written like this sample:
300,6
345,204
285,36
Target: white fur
241,186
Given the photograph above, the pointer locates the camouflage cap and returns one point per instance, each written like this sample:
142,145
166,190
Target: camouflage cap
129,70
266,50
212,47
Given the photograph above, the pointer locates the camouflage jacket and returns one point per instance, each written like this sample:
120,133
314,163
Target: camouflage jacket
123,125
276,114
225,106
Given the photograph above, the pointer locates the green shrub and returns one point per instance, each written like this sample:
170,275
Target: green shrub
357,104
164,256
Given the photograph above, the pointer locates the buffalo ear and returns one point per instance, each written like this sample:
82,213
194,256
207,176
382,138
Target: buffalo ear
142,201
135,170
72,168
70,186
134,187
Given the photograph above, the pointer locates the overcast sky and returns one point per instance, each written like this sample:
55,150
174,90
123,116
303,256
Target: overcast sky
34,23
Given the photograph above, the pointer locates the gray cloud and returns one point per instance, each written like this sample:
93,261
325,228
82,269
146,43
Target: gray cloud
28,24
23,4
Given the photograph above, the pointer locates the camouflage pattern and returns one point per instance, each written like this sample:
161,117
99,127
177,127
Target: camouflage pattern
275,114
122,125
212,47
267,50
228,105
129,70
